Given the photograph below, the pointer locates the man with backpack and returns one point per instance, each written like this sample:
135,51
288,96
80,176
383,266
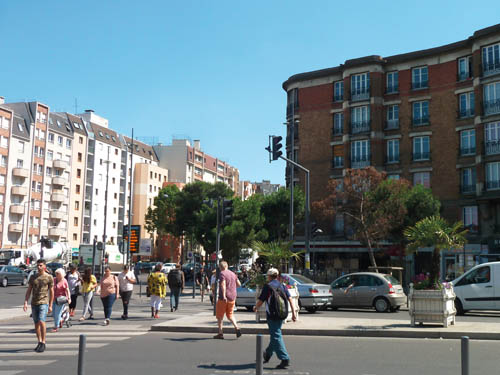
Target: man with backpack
176,281
278,300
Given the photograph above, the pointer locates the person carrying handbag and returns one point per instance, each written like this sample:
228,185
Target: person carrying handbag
74,282
109,293
61,297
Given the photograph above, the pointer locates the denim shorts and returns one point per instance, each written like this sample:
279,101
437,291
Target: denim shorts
39,312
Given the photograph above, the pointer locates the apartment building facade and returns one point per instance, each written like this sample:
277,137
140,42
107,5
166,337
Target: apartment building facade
431,117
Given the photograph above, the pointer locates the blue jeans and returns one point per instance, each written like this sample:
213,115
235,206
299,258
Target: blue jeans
276,344
56,313
107,303
174,297
39,312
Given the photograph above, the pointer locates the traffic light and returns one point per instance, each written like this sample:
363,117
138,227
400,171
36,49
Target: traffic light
227,211
276,145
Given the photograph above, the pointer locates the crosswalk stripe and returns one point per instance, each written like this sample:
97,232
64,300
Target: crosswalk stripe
47,353
74,338
65,345
22,362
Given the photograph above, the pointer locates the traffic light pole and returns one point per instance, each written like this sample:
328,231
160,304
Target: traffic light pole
217,251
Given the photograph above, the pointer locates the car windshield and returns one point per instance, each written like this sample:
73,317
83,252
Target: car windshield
301,279
392,279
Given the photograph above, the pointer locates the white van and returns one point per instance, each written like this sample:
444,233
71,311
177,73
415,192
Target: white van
478,288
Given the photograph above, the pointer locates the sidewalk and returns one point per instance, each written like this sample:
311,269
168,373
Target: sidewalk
317,325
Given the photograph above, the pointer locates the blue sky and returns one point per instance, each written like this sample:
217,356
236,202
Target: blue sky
208,70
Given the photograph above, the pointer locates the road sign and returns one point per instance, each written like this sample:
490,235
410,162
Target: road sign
145,247
190,255
134,238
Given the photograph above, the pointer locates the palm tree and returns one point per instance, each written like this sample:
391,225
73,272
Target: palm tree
434,231
277,252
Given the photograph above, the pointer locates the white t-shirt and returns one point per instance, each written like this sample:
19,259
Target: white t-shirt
125,285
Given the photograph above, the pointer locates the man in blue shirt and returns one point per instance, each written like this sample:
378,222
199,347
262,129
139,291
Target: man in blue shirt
276,343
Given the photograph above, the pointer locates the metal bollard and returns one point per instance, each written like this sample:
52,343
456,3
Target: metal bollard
81,355
258,359
465,355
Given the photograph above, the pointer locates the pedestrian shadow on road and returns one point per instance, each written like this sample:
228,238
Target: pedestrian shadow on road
188,339
12,351
387,326
214,366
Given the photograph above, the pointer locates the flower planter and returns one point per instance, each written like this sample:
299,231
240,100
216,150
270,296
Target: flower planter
432,306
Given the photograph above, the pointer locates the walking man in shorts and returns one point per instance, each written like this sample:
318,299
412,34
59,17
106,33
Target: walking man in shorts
42,286
228,282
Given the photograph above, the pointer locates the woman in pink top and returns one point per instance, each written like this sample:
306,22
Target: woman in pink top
61,289
109,293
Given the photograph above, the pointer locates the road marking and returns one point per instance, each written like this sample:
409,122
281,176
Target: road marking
217,372
66,345
48,353
23,362
97,326
51,339
10,372
75,333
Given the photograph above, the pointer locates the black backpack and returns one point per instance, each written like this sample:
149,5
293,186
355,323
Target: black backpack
277,304
175,278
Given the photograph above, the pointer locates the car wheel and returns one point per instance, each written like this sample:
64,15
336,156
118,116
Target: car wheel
5,282
381,304
459,307
25,281
311,310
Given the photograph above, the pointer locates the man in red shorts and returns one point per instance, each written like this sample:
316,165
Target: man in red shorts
228,282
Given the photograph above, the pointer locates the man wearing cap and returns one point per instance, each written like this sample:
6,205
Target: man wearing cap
276,343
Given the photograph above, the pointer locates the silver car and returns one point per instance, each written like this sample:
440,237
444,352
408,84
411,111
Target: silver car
368,289
312,296
12,275
246,296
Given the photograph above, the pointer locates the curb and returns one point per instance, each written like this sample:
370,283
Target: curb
338,332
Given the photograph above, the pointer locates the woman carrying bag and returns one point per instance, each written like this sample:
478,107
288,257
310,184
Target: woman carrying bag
88,288
109,293
61,297
74,282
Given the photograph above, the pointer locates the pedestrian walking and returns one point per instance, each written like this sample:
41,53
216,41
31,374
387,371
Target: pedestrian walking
109,293
202,282
74,282
176,283
270,294
41,290
157,286
228,282
62,296
89,286
213,280
126,279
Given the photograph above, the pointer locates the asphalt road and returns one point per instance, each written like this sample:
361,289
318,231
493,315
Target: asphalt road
166,353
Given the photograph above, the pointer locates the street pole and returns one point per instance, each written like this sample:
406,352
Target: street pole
130,198
94,245
194,269
217,250
105,214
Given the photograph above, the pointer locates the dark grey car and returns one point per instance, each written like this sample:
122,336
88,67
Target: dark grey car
12,275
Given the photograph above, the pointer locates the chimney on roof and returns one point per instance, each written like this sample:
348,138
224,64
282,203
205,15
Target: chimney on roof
197,144
89,111
2,100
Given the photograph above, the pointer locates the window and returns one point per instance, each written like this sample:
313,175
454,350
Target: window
468,180
493,176
79,156
21,147
393,151
75,237
422,178
20,163
338,123
419,78
392,84
360,87
393,176
481,275
492,98
40,170
4,142
492,138
77,189
96,191
78,173
115,196
491,59
421,148
466,104
468,142
75,221
114,165
4,122
68,143
51,137
338,91
421,113
464,68
1,198
77,205
59,140
80,140
2,180
38,187
469,217
360,154
3,161
392,117
20,127
360,119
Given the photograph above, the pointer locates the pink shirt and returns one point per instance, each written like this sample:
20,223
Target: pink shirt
60,288
230,278
109,285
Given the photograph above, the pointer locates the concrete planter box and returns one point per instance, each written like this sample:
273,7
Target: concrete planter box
432,306
260,315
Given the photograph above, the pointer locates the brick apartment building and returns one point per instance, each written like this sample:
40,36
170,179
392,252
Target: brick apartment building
431,117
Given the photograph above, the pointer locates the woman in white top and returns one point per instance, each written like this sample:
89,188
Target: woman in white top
74,282
126,279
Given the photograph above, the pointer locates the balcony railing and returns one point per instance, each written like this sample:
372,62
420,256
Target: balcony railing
491,68
492,147
465,151
337,130
392,159
466,112
421,156
419,121
360,161
361,94
392,124
492,107
420,85
360,126
393,89
468,189
462,76
492,184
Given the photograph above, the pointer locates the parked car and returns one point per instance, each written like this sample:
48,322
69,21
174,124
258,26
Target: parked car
478,288
368,289
167,267
312,295
245,296
12,275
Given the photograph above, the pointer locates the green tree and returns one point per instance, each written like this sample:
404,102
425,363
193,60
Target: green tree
277,253
161,219
435,232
